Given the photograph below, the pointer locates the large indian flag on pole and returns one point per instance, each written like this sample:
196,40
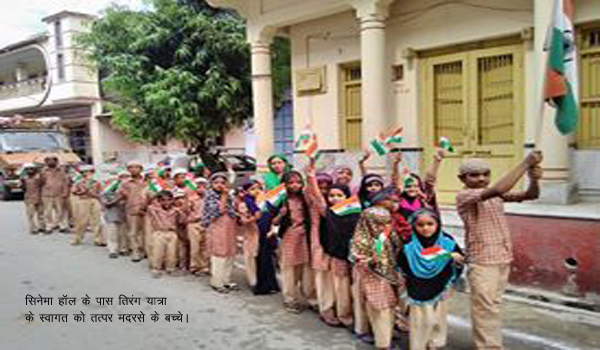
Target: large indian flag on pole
561,88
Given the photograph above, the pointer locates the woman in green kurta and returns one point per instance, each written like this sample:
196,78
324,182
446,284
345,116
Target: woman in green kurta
278,165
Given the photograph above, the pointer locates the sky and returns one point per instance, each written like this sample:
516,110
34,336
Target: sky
20,19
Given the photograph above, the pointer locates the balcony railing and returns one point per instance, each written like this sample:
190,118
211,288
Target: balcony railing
22,88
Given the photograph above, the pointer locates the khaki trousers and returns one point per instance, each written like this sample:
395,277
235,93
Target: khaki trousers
116,237
250,267
164,250
146,237
382,322
487,283
136,234
428,325
220,270
54,214
35,216
297,284
325,290
361,320
199,257
183,252
88,213
343,298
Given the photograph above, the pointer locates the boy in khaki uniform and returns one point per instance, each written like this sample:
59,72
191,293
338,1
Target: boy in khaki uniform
87,192
33,198
55,190
164,220
199,255
133,193
488,240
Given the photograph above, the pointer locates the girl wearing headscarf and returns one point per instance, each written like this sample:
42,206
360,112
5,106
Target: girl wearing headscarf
420,193
373,252
220,221
264,250
335,233
431,263
278,165
370,184
295,221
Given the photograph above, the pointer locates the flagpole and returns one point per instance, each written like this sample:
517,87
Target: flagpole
542,93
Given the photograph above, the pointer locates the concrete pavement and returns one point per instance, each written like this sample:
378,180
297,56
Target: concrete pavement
49,266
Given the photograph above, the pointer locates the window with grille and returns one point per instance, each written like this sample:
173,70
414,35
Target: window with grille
449,99
588,136
284,127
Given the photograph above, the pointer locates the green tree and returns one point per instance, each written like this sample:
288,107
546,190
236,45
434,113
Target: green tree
180,70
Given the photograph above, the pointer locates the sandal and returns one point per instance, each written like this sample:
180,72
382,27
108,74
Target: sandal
221,290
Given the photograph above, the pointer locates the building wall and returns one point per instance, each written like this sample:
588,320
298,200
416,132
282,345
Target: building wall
419,25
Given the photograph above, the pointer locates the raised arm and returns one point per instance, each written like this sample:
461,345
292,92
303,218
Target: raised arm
508,181
313,191
431,174
396,178
533,189
362,161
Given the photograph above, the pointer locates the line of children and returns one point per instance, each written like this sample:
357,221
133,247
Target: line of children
367,271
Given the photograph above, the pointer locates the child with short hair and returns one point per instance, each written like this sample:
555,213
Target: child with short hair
114,219
33,198
488,241
431,262
87,192
164,219
199,255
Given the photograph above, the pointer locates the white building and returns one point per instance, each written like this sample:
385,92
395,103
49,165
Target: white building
46,75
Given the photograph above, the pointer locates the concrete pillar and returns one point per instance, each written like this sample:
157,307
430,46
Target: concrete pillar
262,95
96,135
557,185
20,72
374,67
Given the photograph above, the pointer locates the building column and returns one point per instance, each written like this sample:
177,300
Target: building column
20,72
96,135
557,185
374,67
262,95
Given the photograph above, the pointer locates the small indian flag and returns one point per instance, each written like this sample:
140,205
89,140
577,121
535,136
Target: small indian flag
112,187
435,253
347,207
307,143
156,186
378,147
445,144
276,195
190,184
394,136
75,175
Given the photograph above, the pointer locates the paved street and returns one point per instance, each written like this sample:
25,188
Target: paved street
49,266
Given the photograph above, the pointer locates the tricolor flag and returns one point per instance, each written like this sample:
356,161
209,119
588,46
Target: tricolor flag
445,144
112,187
394,136
347,207
275,196
75,175
380,145
435,253
157,185
561,89
307,143
190,184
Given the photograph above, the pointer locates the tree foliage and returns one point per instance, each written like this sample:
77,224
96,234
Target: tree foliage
179,70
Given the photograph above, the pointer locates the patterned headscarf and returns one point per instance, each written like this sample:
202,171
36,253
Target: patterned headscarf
212,203
375,243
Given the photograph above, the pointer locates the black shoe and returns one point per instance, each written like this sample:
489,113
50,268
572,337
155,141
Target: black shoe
64,230
113,255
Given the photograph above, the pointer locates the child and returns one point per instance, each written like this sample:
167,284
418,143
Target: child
429,279
133,193
33,198
219,219
114,220
324,182
199,258
370,184
55,187
418,193
334,237
372,252
488,245
294,220
250,213
180,199
164,219
87,192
